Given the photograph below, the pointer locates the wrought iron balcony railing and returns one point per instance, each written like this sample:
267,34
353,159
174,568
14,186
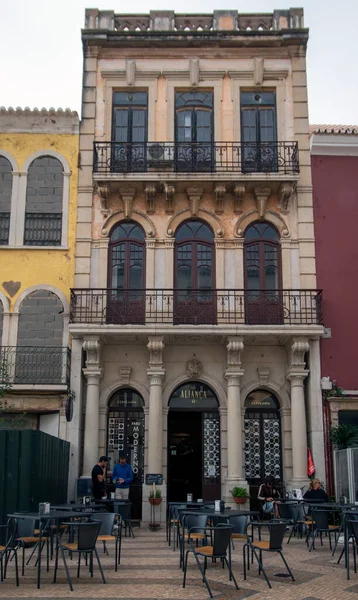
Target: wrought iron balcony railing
203,157
43,229
35,365
4,228
195,307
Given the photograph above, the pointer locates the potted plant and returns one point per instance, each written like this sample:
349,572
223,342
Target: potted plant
155,497
239,494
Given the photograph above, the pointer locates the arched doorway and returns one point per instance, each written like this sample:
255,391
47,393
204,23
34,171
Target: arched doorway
126,274
263,451
263,297
193,443
125,435
194,274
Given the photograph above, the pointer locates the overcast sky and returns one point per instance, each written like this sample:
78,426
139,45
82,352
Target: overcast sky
41,52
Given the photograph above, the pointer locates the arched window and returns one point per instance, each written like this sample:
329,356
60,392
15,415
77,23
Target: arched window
126,274
5,199
263,274
194,276
40,357
44,198
194,131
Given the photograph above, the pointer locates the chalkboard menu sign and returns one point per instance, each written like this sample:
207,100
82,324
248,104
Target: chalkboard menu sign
154,478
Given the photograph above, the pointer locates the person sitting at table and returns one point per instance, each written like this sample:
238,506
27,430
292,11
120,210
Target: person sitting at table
315,492
269,495
122,476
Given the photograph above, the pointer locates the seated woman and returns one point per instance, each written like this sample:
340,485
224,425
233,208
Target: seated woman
269,495
315,492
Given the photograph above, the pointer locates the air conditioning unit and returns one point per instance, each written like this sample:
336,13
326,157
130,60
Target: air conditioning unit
159,154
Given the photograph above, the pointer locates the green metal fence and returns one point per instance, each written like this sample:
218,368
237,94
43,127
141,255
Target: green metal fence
33,469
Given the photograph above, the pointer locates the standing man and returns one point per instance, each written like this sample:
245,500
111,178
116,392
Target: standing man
122,476
99,474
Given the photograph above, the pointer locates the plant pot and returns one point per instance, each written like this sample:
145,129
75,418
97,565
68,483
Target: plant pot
155,501
240,500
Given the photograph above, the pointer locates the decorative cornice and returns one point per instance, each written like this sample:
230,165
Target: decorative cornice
122,74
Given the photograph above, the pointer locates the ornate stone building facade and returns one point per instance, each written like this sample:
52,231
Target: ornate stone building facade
195,315
38,195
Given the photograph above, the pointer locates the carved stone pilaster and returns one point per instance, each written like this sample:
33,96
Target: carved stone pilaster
155,346
127,195
263,374
234,348
286,192
258,71
150,194
169,191
194,68
130,72
219,191
125,375
194,195
261,197
92,347
103,191
239,193
297,352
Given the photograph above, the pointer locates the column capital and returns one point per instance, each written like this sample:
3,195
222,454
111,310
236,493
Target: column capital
93,376
156,377
296,378
233,378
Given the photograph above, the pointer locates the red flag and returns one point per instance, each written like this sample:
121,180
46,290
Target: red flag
310,464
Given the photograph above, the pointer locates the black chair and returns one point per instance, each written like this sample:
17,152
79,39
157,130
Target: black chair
9,550
352,533
193,529
87,534
239,525
111,530
124,510
320,524
27,537
277,531
173,522
218,549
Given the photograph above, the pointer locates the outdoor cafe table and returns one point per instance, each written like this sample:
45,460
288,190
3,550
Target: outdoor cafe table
44,524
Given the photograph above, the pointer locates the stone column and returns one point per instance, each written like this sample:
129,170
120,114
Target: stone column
299,430
233,374
155,425
93,374
296,375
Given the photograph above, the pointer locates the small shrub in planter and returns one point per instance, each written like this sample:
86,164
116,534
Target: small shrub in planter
239,494
155,497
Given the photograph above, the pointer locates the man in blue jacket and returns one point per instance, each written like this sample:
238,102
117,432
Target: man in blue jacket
122,476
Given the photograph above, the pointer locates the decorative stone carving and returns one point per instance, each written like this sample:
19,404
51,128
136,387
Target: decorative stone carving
194,71
169,191
103,191
234,348
155,346
239,192
286,192
261,196
92,347
298,349
194,195
194,368
263,374
127,195
125,375
219,192
130,72
150,194
258,71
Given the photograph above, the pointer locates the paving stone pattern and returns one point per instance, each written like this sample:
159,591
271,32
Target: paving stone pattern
149,570
44,186
5,185
40,320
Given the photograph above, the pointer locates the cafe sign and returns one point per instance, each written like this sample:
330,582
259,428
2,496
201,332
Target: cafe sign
193,395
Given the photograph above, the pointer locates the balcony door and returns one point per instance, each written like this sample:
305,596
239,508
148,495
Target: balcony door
129,132
126,275
263,295
194,279
194,131
258,132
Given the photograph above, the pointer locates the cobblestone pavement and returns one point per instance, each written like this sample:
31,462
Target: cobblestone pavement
149,570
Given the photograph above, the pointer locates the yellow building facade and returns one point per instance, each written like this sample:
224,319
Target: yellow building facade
38,203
